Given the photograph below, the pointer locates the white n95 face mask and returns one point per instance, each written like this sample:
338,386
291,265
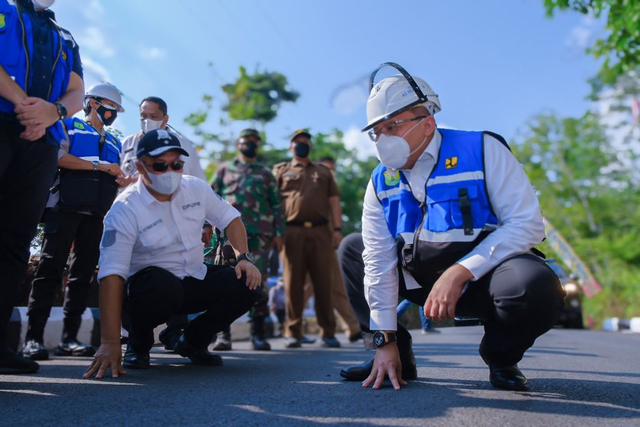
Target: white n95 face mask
167,183
394,151
148,125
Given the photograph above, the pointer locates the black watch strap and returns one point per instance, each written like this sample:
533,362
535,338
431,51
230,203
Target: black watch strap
62,111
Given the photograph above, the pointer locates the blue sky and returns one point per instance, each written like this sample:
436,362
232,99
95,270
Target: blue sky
494,64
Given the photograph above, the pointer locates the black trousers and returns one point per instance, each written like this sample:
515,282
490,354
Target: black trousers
518,301
153,295
27,170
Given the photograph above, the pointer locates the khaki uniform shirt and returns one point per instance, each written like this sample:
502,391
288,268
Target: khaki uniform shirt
305,190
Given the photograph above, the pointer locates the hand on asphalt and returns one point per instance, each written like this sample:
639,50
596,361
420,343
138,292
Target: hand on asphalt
386,363
108,357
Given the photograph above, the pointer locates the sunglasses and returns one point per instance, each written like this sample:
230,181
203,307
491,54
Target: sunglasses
162,166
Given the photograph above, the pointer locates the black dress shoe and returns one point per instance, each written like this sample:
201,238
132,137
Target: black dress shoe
355,337
35,350
12,363
74,348
362,371
291,342
330,342
198,356
133,360
260,343
508,378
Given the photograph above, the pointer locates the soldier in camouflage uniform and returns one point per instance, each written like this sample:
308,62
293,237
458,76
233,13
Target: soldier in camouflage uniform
251,188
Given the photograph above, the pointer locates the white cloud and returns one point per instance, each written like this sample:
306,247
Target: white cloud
359,143
152,53
92,39
578,37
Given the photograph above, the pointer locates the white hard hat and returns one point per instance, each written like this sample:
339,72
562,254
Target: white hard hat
106,91
396,94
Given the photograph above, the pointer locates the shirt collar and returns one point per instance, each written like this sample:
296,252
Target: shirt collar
295,162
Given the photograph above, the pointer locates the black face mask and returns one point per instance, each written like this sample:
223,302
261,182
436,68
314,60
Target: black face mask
302,150
102,110
249,149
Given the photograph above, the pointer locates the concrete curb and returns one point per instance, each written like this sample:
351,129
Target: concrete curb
614,324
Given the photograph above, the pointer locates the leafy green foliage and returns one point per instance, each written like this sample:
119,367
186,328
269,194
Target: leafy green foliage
588,194
620,49
257,96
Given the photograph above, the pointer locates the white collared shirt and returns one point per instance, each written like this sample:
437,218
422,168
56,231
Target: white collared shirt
140,231
512,197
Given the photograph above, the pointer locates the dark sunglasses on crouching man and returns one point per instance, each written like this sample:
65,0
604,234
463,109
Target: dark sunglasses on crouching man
163,166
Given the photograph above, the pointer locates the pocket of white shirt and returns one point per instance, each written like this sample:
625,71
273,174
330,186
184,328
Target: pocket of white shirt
153,237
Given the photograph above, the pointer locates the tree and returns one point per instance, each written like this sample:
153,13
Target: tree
590,196
620,49
257,96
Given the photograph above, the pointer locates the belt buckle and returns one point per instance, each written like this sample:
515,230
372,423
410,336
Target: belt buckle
307,224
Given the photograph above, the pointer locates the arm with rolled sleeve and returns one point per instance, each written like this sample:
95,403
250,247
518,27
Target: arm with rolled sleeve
218,212
380,264
516,206
118,239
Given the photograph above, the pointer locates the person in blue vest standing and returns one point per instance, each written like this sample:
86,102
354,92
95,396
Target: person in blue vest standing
449,222
40,84
89,162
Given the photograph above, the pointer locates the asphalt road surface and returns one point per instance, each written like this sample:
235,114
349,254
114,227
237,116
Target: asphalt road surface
578,378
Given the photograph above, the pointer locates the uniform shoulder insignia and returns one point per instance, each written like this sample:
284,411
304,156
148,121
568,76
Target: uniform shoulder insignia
78,125
391,178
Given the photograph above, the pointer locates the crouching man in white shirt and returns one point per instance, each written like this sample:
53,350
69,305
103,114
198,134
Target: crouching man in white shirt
151,262
449,222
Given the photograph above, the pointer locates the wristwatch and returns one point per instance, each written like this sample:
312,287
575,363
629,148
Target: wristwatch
247,255
62,111
381,338
95,164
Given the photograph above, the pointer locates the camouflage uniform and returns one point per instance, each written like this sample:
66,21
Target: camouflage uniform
251,189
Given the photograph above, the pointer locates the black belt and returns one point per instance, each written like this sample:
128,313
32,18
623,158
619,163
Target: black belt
307,224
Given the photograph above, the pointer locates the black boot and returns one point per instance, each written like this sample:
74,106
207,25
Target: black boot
14,364
70,346
34,341
223,340
257,334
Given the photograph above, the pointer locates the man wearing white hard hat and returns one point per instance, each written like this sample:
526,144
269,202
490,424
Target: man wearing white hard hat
449,222
89,173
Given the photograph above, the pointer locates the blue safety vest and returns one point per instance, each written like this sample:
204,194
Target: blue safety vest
456,215
84,190
17,56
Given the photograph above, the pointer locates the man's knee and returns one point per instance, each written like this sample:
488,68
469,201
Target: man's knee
528,285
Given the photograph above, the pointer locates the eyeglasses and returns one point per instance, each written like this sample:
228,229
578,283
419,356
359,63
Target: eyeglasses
163,166
390,128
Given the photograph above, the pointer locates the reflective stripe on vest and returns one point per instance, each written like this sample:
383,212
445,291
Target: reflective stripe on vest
85,143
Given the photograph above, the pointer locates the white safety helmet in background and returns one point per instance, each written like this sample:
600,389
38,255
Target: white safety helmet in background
396,94
105,91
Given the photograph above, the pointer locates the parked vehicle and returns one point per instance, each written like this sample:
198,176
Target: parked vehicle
571,316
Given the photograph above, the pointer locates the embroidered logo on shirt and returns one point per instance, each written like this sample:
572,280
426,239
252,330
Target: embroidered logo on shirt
391,178
190,205
78,125
64,55
451,162
3,21
315,177
150,226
